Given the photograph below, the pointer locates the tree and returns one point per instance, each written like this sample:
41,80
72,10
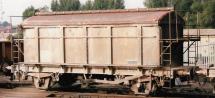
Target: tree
103,4
119,4
156,3
65,5
54,5
100,4
28,12
197,7
69,5
116,4
88,5
208,14
189,9
183,6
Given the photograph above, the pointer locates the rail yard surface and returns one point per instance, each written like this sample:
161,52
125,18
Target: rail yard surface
16,89
26,90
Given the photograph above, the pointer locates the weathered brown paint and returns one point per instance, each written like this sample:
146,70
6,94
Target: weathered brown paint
101,38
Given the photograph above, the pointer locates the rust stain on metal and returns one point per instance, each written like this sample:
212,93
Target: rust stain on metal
98,17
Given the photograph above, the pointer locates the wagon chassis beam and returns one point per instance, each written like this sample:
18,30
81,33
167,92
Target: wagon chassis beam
92,65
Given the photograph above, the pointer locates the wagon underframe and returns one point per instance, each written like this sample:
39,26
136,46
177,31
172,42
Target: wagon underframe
122,74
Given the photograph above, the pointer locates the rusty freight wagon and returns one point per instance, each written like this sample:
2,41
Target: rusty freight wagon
132,47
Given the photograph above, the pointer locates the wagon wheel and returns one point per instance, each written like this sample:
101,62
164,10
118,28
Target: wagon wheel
144,88
202,80
83,83
21,76
140,88
212,81
42,83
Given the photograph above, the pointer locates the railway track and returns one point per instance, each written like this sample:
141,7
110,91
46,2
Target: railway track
31,92
25,89
17,89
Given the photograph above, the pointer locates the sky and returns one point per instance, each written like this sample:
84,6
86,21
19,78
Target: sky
16,7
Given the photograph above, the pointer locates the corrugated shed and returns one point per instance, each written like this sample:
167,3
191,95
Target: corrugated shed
98,17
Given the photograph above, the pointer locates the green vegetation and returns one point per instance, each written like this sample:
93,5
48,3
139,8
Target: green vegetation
70,5
116,4
208,14
108,4
28,12
73,5
65,5
155,3
88,5
189,9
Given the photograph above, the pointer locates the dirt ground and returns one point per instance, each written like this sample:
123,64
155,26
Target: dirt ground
25,89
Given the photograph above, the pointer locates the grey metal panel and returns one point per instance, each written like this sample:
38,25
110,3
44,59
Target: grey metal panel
126,45
103,17
50,45
31,45
75,45
151,46
126,50
99,45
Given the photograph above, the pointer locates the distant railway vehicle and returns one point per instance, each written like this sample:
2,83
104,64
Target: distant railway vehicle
138,48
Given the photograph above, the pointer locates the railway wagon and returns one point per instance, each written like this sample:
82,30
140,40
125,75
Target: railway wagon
138,48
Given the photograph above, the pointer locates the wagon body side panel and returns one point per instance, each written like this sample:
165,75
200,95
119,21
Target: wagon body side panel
126,47
31,53
50,45
99,45
75,45
151,46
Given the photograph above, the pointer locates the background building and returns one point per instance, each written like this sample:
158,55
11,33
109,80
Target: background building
205,48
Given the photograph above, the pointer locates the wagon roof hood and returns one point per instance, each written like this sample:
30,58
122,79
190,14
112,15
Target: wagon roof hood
98,17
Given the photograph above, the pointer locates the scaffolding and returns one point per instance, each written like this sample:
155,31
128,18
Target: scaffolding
17,42
17,52
192,44
167,45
